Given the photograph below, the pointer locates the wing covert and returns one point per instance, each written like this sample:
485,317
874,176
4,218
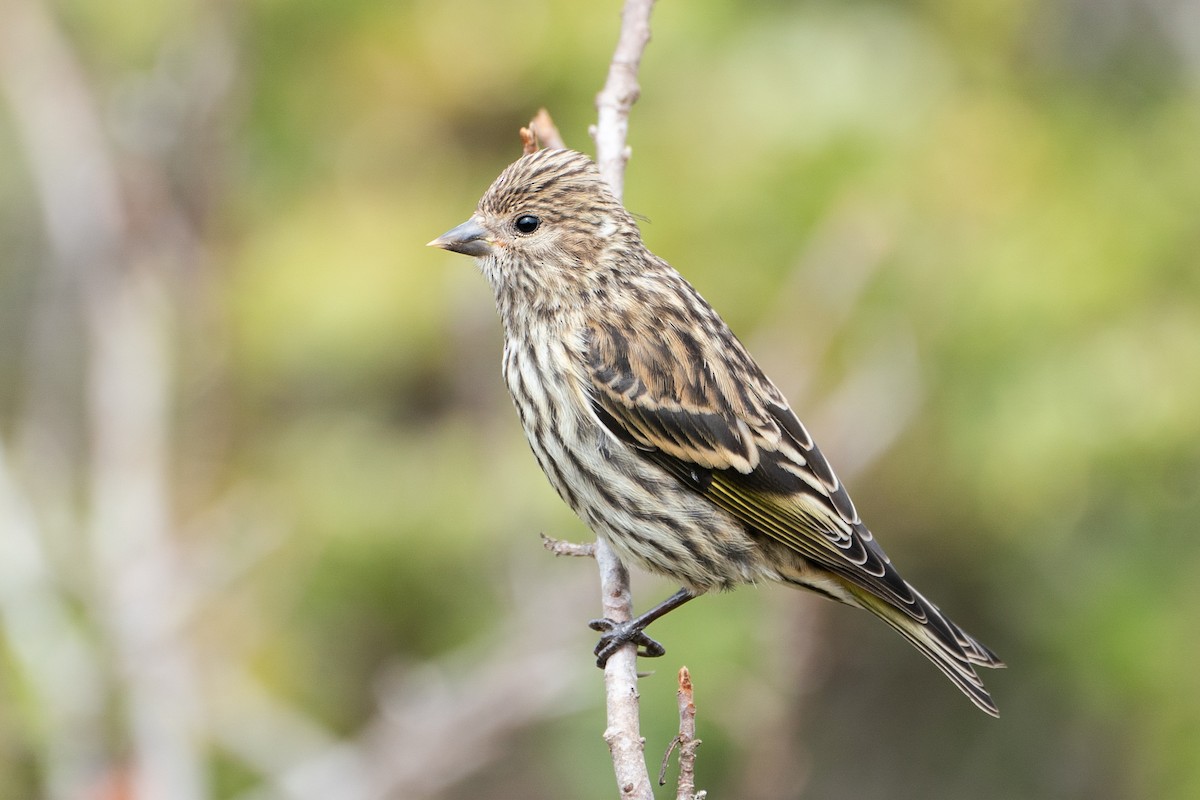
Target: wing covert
763,466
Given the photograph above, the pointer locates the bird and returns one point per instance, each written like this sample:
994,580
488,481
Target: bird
656,426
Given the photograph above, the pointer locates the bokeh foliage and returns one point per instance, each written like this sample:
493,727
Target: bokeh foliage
1030,175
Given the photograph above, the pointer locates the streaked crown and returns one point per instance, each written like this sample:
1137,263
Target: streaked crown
549,179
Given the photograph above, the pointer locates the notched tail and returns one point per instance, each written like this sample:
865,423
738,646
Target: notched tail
949,647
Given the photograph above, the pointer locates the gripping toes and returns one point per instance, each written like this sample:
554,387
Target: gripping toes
617,634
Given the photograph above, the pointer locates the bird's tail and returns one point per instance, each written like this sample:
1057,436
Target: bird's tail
949,647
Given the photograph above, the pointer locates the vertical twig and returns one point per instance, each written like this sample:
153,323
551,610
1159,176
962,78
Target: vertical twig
620,92
623,734
687,739
613,104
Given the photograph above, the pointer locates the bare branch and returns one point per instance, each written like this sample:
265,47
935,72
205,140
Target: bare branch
623,734
687,739
620,92
613,104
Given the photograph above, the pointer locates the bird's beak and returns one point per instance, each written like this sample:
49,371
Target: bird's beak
470,239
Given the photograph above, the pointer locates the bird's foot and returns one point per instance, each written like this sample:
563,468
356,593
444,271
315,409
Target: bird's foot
617,634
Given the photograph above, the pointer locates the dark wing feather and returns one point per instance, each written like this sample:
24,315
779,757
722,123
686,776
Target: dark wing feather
765,468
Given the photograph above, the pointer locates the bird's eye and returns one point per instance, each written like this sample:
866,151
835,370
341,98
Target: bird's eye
527,223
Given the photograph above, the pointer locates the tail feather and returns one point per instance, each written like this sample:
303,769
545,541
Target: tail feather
948,646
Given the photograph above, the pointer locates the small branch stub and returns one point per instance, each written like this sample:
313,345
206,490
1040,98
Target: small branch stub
545,131
561,547
686,741
529,141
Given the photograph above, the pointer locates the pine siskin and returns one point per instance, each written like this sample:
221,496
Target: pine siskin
657,427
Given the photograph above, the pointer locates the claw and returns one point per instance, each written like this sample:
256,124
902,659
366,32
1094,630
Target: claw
617,634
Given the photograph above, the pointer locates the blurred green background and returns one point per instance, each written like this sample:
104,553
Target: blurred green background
268,525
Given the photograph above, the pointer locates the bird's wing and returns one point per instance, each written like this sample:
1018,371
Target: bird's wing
698,406
702,409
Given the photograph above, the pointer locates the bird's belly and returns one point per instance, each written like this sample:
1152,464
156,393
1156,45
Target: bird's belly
649,517
654,521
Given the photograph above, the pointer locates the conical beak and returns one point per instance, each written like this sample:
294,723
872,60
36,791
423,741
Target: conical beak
470,239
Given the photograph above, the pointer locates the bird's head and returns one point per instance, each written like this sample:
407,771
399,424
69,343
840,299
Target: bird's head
547,227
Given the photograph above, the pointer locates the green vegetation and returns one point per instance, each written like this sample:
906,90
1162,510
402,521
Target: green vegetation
1018,186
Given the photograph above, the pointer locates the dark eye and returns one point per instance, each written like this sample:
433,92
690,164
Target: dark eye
527,223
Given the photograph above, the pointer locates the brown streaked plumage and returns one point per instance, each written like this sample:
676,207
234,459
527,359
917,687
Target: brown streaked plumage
657,427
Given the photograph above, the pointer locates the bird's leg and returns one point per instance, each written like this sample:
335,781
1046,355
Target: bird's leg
618,633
